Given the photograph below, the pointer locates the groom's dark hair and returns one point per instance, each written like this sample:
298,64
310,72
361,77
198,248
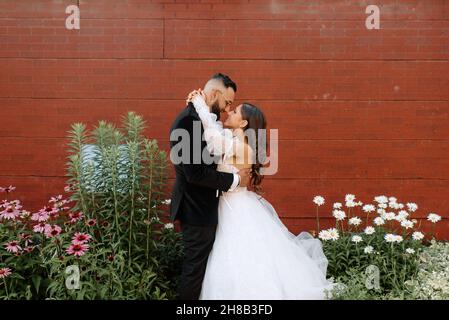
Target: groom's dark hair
227,82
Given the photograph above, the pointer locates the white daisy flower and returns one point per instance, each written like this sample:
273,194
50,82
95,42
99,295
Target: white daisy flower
360,203
379,221
401,206
381,199
392,199
383,205
355,221
169,226
333,234
389,237
412,207
369,208
390,216
356,239
407,224
410,251
403,214
433,217
368,249
369,230
350,204
417,235
318,200
339,215
398,239
337,205
394,206
324,235
349,197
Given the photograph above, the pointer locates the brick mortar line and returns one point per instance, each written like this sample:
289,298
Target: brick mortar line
223,19
271,179
232,59
166,140
253,99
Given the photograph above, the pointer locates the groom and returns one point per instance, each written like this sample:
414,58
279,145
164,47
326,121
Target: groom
194,200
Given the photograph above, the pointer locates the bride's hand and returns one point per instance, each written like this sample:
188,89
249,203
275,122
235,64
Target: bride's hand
193,94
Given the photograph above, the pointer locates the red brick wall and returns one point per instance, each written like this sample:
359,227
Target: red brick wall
358,111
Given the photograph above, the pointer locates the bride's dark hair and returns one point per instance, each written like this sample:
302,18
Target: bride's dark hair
256,120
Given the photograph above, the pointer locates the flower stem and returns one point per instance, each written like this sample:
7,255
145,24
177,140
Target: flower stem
6,288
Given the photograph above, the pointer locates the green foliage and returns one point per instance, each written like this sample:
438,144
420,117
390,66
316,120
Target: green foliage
116,182
432,281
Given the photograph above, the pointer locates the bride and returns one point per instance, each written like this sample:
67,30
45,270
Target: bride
254,256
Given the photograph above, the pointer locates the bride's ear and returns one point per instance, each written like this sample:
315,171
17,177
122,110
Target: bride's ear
243,123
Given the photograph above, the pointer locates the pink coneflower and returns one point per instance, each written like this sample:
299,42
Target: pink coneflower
58,202
16,203
26,238
91,222
55,199
13,247
10,213
40,228
75,216
7,189
77,249
40,216
51,211
52,231
4,272
28,249
80,238
4,203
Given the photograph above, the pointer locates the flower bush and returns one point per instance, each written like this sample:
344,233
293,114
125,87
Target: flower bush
383,237
108,238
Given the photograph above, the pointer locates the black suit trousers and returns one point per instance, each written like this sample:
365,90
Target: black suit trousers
198,242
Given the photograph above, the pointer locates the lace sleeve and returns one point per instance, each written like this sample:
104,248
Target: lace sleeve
219,141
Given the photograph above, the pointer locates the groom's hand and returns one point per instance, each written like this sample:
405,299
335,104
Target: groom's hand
244,177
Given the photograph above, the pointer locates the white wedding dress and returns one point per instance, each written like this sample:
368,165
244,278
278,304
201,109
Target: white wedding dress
254,256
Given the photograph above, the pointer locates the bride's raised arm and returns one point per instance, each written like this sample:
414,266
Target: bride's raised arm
219,141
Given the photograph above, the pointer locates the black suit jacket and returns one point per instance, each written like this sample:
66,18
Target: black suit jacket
194,196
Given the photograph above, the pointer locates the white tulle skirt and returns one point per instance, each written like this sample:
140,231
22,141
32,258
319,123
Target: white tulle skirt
255,256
